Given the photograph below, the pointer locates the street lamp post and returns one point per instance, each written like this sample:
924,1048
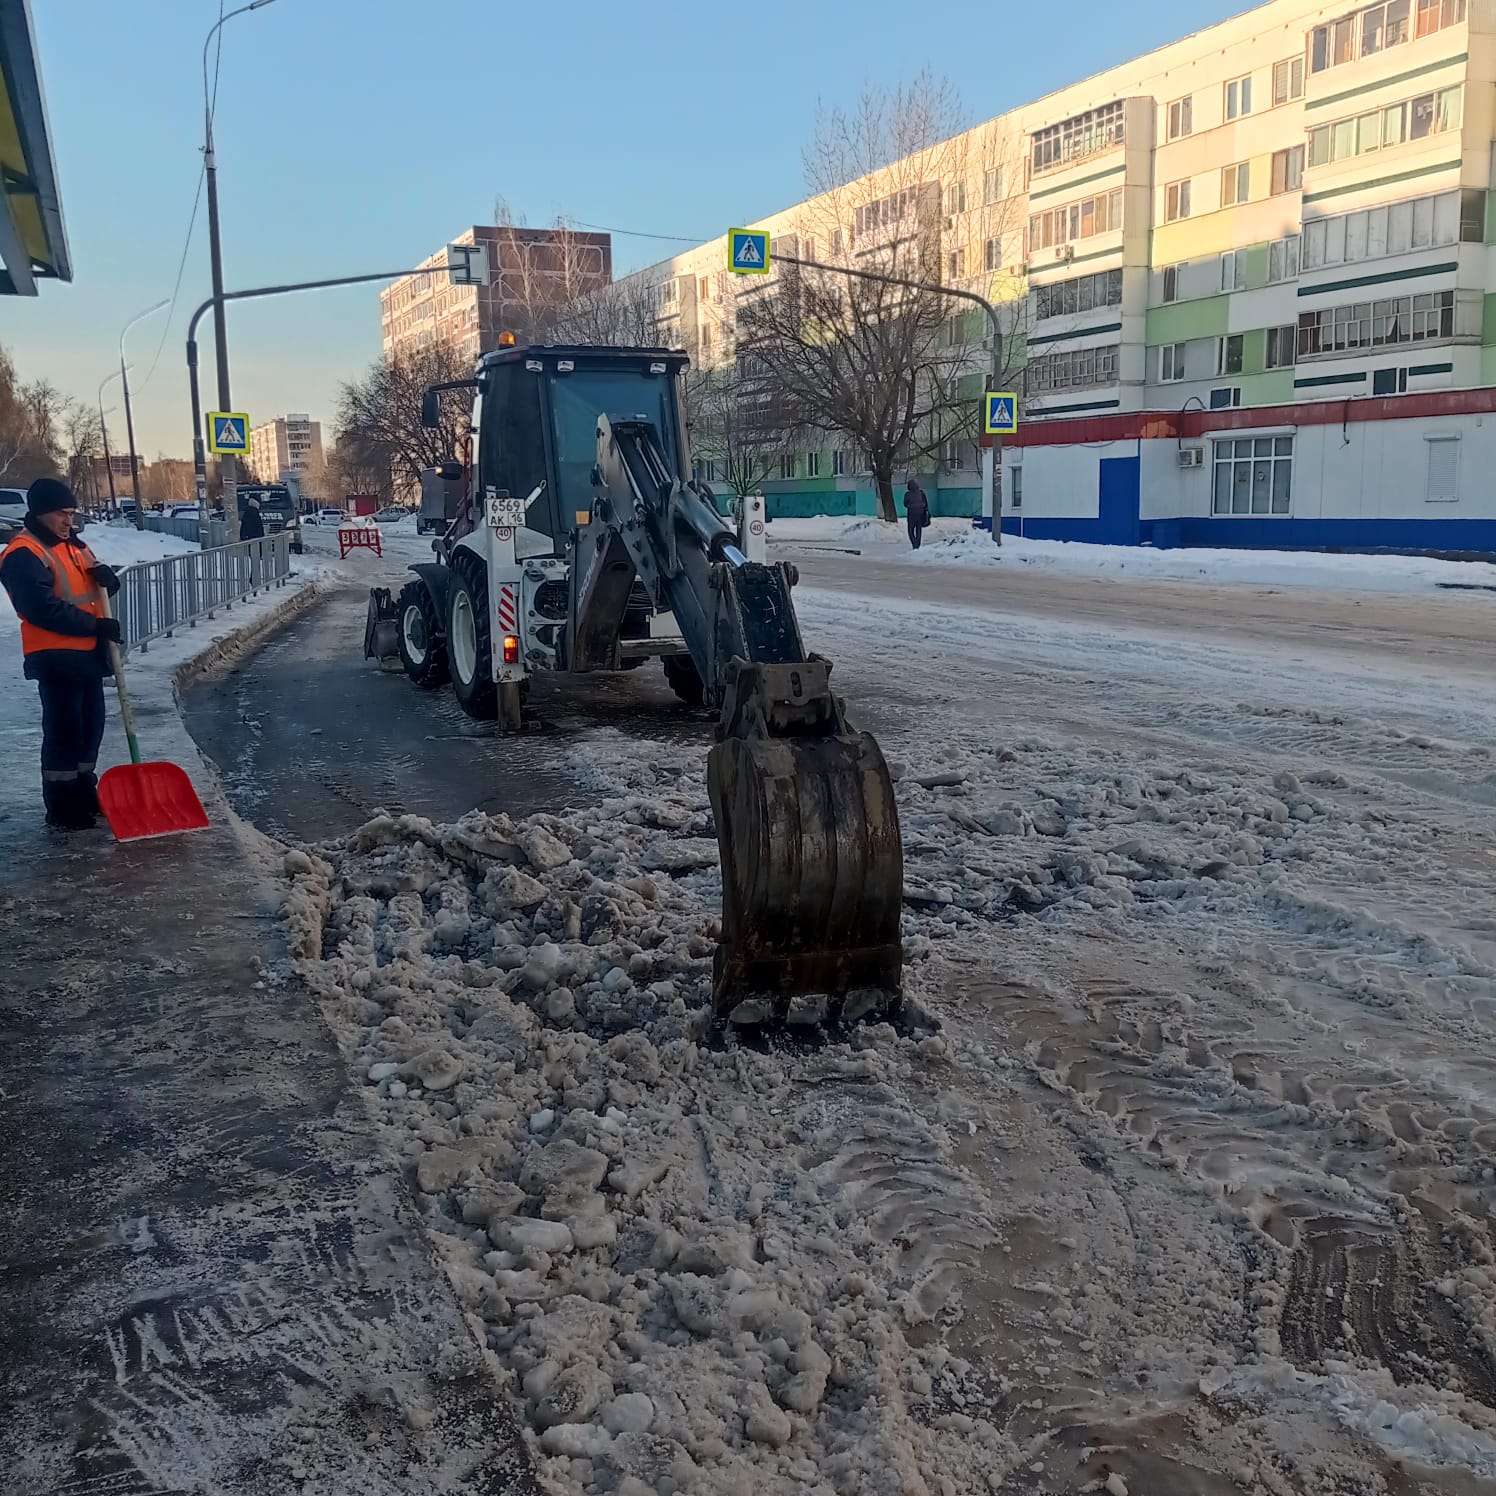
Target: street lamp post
215,251
124,377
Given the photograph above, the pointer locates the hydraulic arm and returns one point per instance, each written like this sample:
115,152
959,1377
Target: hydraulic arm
812,860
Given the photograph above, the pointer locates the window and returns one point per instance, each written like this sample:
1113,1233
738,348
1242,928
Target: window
1171,363
838,464
955,198
1238,98
1395,228
1083,294
706,337
1015,487
1176,201
1417,119
1076,368
1235,184
1389,382
1171,283
706,470
992,255
1281,342
1288,170
837,242
1180,118
1288,80
887,210
1233,270
1076,138
1253,475
1443,481
812,464
955,264
703,288
1366,32
1082,220
1283,259
1377,324
1229,353
992,184
1226,398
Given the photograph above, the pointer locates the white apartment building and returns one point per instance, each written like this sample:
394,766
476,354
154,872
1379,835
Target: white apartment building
288,444
1285,211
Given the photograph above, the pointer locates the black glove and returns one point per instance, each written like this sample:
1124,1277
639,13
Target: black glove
106,576
108,630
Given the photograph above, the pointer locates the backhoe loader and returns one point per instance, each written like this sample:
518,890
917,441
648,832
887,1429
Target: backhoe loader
581,543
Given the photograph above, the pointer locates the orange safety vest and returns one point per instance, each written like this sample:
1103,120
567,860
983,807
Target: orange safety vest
68,563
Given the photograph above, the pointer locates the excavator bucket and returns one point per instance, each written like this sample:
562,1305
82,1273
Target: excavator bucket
812,858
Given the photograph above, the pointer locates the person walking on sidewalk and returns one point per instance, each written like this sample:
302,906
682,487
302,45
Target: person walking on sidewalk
57,587
252,522
916,511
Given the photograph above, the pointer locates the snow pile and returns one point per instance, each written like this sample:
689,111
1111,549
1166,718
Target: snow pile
686,1282
956,543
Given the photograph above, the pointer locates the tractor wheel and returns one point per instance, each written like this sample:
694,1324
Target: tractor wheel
469,645
684,679
423,651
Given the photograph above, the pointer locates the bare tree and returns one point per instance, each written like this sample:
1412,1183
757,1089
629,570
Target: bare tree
737,425
624,314
887,366
78,424
358,464
28,427
382,411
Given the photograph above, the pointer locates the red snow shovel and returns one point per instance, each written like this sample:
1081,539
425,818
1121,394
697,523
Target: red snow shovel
145,799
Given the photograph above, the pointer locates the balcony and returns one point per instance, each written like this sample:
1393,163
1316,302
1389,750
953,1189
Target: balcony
1077,139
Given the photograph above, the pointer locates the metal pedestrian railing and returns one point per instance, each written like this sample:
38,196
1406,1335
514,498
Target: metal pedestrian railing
157,597
186,528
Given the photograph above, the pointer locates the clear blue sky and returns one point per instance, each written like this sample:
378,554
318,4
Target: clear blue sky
360,135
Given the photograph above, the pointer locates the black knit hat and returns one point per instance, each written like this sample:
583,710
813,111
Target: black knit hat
48,495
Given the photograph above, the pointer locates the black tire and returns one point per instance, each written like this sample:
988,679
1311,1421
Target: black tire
469,642
418,627
684,679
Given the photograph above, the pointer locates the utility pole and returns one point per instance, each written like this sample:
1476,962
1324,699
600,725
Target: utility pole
124,374
104,431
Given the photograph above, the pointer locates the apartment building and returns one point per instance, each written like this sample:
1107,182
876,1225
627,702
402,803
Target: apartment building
288,444
1282,213
531,273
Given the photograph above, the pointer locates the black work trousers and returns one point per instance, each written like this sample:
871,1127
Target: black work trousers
72,729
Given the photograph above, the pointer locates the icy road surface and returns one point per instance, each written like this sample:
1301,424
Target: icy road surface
1191,1194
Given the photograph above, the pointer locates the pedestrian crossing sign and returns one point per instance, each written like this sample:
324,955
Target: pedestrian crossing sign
748,251
1002,414
228,431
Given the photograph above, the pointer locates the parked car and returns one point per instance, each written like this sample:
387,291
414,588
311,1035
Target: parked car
333,517
13,504
392,515
184,511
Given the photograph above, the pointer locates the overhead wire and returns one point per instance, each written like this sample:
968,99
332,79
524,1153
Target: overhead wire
197,199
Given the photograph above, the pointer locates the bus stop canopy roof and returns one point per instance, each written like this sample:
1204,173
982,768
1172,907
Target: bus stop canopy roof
33,239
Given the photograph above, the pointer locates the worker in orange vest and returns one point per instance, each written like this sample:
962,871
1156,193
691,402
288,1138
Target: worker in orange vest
57,587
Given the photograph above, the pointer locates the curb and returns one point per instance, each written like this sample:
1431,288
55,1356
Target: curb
237,640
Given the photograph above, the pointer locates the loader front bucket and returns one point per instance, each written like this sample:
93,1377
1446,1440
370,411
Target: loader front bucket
812,879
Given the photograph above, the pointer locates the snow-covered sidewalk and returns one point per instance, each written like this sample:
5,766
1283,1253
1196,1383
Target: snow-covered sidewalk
953,542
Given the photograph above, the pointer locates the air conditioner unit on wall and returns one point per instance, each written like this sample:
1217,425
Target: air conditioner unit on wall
1065,252
1191,457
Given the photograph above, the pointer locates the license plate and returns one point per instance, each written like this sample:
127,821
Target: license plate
505,510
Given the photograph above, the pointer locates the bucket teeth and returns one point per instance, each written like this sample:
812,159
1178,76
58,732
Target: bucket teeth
812,879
